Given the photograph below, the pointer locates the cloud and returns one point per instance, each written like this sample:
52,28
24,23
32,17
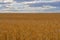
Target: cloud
23,0
37,1
44,7
26,8
31,6
55,0
6,0
32,2
56,4
47,7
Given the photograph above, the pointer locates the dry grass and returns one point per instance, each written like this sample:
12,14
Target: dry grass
29,26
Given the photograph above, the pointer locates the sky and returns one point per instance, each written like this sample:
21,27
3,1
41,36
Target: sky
30,6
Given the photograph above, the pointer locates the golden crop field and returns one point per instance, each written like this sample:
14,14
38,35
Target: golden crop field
30,26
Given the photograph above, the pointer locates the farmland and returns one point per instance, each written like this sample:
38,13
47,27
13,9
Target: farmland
30,26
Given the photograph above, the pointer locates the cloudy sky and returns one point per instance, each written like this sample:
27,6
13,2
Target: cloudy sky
30,6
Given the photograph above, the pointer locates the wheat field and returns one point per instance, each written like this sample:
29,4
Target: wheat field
30,26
